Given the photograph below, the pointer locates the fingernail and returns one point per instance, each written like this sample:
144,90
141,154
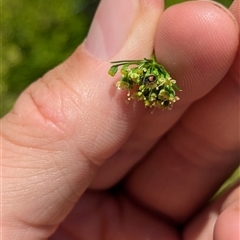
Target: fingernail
110,28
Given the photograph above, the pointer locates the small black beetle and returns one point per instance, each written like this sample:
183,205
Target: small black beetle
149,79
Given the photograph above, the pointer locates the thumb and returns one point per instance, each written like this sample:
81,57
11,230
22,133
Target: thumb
66,124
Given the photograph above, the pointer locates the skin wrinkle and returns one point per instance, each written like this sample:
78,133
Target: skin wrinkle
50,221
83,93
67,132
19,143
38,228
80,92
222,133
106,111
205,148
215,151
62,175
32,183
13,163
59,117
73,99
17,218
206,163
88,169
32,173
119,158
33,140
181,157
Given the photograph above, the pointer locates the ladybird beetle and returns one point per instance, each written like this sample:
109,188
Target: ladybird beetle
149,79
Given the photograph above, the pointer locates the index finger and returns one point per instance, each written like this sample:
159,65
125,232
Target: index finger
197,42
191,162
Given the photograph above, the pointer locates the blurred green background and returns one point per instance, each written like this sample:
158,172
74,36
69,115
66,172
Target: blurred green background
37,35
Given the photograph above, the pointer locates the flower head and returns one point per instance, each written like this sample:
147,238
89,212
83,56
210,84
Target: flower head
148,81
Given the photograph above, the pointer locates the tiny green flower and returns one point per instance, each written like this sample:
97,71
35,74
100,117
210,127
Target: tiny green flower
113,70
148,81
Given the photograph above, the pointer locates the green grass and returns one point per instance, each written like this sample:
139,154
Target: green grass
234,179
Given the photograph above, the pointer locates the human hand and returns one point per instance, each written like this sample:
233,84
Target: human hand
71,137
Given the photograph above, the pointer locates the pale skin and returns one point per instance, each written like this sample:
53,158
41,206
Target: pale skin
71,137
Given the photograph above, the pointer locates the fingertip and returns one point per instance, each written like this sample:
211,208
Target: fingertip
227,225
196,41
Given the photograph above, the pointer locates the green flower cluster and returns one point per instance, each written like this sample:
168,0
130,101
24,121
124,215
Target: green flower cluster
146,81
